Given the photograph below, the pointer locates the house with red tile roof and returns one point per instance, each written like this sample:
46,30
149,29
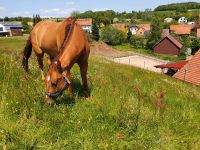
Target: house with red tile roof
181,29
143,29
168,45
86,24
191,71
147,27
172,67
120,26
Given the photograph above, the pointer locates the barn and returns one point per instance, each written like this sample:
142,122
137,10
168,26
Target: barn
10,29
168,45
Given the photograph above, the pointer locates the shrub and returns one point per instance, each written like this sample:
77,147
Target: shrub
137,41
112,36
95,32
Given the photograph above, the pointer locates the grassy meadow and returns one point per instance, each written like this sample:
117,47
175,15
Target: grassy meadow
129,108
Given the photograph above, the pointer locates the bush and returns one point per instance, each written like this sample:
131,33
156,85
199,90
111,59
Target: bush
112,36
26,27
137,41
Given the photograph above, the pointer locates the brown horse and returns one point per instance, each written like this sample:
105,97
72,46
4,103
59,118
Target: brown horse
74,49
46,37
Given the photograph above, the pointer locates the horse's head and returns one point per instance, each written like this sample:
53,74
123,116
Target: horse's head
56,81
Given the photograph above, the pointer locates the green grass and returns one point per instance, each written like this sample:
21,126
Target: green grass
128,47
129,108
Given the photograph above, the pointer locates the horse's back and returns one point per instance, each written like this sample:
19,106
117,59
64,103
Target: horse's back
45,35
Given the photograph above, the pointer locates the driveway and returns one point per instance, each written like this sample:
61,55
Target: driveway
141,61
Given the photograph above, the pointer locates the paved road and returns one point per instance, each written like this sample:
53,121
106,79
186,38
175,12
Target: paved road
141,61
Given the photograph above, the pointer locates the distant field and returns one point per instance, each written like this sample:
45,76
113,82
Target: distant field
129,108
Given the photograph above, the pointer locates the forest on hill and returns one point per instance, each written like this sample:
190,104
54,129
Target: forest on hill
177,6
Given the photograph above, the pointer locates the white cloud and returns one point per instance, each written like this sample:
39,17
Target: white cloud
2,8
100,9
56,12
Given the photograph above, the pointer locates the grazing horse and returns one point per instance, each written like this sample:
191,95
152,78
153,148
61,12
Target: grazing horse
46,37
75,49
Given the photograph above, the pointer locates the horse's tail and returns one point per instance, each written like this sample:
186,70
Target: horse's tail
27,53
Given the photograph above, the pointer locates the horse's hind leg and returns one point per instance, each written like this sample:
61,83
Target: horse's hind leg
39,53
83,69
40,62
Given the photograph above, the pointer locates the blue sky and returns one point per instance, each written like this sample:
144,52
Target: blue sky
63,8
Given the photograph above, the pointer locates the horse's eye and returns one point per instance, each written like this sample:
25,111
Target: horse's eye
59,79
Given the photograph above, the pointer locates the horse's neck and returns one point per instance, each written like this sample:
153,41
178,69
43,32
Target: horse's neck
67,56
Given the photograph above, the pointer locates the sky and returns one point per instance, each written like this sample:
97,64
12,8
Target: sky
63,8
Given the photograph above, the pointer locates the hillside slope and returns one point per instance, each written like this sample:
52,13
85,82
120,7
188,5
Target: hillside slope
129,108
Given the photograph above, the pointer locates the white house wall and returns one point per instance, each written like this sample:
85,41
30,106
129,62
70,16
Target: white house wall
4,29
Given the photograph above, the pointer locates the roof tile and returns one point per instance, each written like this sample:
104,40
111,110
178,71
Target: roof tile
190,72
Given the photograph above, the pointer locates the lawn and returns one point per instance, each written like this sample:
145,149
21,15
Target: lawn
129,108
128,47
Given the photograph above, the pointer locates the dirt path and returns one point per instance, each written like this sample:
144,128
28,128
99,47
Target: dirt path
128,58
102,49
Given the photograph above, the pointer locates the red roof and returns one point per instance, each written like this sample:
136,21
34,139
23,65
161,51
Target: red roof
191,71
119,26
181,29
85,22
174,65
146,27
173,40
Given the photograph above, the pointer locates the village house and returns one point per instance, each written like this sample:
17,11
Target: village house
172,67
168,45
181,29
144,29
168,20
133,29
10,29
86,24
165,32
120,26
190,72
182,20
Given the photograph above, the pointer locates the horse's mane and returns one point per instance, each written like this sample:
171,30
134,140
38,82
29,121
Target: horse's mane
68,32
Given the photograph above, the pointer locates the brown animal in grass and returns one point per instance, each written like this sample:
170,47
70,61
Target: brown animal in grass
66,44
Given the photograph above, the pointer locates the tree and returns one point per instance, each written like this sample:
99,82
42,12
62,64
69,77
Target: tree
6,19
36,19
112,36
75,14
95,32
155,33
26,27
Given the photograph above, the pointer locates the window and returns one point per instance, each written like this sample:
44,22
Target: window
1,28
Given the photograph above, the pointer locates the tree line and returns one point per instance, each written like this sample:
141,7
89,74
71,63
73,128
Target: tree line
178,6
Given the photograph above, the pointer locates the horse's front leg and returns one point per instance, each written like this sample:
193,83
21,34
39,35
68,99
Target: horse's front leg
83,70
70,90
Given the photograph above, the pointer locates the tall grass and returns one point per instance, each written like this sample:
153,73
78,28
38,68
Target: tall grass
121,113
